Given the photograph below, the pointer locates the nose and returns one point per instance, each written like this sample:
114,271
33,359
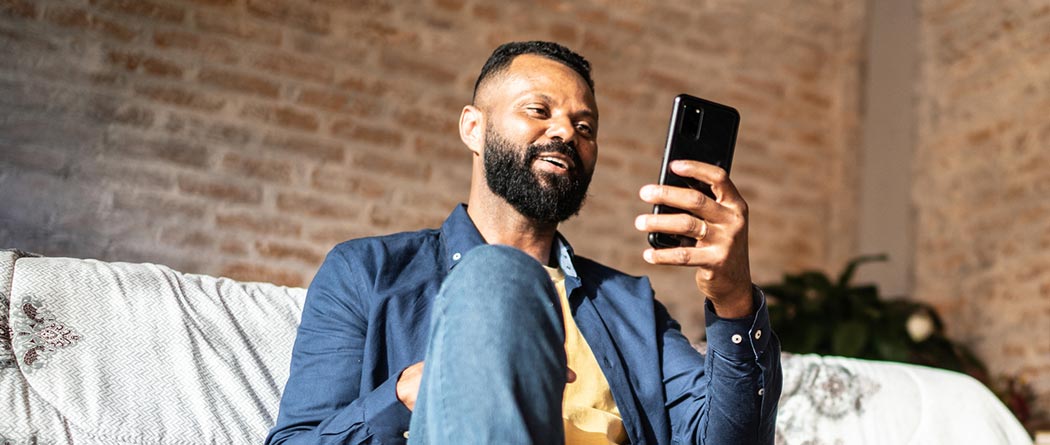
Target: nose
561,128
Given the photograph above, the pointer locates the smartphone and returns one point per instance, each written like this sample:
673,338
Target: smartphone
700,130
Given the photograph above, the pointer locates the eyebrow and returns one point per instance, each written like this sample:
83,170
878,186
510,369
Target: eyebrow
586,112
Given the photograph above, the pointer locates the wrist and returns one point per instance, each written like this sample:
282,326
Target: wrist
739,304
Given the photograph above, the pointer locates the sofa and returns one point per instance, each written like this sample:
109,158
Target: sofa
96,352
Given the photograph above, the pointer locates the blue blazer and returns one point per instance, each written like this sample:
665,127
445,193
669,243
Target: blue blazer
367,316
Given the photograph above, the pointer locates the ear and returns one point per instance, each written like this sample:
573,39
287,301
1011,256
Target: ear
472,128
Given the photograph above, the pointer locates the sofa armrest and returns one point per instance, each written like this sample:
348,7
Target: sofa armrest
845,400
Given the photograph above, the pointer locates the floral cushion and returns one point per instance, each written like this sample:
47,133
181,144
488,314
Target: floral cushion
139,353
837,400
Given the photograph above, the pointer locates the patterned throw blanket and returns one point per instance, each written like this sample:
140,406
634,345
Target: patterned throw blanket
117,353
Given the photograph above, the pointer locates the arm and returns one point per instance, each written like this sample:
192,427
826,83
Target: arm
730,394
323,401
715,399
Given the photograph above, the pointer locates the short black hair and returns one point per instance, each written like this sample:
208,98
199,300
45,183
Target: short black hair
505,53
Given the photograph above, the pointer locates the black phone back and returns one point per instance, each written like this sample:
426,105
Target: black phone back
700,130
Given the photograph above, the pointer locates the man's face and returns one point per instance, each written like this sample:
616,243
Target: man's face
540,139
543,196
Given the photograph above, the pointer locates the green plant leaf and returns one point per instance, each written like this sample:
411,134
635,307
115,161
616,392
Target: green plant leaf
849,338
847,274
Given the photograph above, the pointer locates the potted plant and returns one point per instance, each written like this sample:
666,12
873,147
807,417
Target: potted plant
812,313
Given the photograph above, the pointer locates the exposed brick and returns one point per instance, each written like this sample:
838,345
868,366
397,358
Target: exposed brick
127,114
283,116
285,251
220,190
240,82
230,134
345,51
219,3
421,120
169,150
342,181
31,158
196,45
143,9
667,81
180,97
405,167
311,148
247,165
17,8
354,83
148,64
182,236
300,16
158,204
449,5
563,32
442,148
360,133
26,42
78,18
233,247
295,66
486,11
390,219
766,87
298,205
261,224
330,235
377,32
243,271
327,100
221,22
121,174
432,72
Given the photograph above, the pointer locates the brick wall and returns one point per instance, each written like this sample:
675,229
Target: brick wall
983,180
246,137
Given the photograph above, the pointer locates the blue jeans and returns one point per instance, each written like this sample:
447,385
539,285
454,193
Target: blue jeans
495,365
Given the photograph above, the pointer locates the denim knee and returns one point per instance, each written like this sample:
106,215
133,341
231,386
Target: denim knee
501,280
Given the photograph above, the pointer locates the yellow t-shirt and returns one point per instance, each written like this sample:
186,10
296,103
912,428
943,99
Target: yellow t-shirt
589,412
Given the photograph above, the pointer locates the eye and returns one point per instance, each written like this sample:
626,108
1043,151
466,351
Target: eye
584,128
537,111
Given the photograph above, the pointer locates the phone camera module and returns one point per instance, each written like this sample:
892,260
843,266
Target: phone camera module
691,123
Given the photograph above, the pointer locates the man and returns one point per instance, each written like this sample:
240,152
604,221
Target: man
490,330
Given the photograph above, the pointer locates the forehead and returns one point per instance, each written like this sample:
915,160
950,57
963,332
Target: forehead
530,73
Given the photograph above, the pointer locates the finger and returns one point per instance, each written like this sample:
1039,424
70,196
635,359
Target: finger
571,376
680,256
675,224
689,200
722,187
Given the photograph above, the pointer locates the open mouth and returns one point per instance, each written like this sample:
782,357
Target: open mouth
558,160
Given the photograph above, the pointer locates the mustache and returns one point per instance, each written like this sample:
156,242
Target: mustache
568,149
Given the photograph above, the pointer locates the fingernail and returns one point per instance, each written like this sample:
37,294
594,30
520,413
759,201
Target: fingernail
648,255
639,222
648,191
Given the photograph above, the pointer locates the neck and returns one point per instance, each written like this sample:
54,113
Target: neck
500,223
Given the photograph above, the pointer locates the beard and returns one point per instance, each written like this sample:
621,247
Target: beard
543,197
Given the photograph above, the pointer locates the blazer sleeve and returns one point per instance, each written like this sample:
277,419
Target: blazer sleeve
323,402
729,395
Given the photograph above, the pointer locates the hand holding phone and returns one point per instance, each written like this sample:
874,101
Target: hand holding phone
711,233
700,130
